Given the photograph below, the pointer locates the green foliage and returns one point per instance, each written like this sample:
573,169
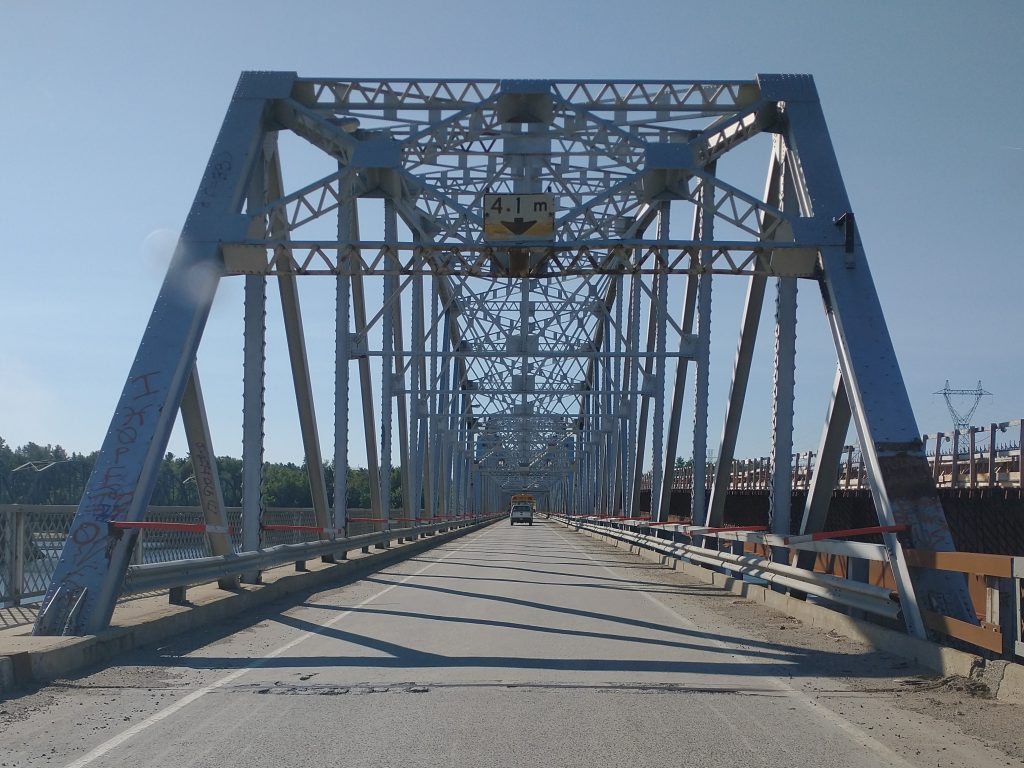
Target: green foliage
48,474
358,489
286,485
42,474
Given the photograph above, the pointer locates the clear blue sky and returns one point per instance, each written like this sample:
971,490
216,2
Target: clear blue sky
110,111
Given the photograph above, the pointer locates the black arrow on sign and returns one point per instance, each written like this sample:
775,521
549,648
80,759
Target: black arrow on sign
518,226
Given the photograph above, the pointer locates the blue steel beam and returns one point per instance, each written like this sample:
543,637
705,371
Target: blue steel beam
890,440
88,576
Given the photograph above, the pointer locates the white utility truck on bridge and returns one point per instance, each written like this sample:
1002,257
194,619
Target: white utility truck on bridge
522,509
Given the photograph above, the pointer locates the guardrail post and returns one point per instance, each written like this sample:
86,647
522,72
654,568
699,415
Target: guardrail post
1002,608
138,553
22,547
736,548
13,541
1017,584
858,569
6,555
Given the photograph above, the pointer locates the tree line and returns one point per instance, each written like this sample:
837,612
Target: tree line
48,474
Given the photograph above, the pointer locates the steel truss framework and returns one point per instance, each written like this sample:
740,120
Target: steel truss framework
521,365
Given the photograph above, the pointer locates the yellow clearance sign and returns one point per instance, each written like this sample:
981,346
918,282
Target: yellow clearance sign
519,217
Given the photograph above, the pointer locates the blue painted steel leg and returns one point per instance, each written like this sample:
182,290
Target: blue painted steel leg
897,468
93,562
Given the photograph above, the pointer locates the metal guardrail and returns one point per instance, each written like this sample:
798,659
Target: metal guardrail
181,573
671,541
32,536
754,556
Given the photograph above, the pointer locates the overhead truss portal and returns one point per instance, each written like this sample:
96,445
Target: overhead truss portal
504,252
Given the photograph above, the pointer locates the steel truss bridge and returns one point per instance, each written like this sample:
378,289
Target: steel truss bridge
503,253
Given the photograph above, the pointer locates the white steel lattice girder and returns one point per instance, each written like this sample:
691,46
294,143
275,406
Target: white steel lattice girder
532,363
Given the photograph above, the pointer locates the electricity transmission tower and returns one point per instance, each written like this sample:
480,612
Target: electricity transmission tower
962,418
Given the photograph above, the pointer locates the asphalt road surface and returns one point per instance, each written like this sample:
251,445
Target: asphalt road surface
511,646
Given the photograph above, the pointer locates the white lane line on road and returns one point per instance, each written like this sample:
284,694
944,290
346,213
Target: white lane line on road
179,705
796,694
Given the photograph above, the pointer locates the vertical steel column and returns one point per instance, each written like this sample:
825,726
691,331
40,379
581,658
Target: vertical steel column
453,444
466,449
254,360
593,445
416,386
456,426
387,365
594,436
524,362
781,495
608,431
610,385
88,578
342,359
645,379
678,392
464,437
597,380
659,305
577,482
702,363
618,384
441,446
455,506
700,228
587,496
399,380
781,191
632,386
476,481
432,483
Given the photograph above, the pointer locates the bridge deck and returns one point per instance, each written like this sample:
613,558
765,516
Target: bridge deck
525,646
